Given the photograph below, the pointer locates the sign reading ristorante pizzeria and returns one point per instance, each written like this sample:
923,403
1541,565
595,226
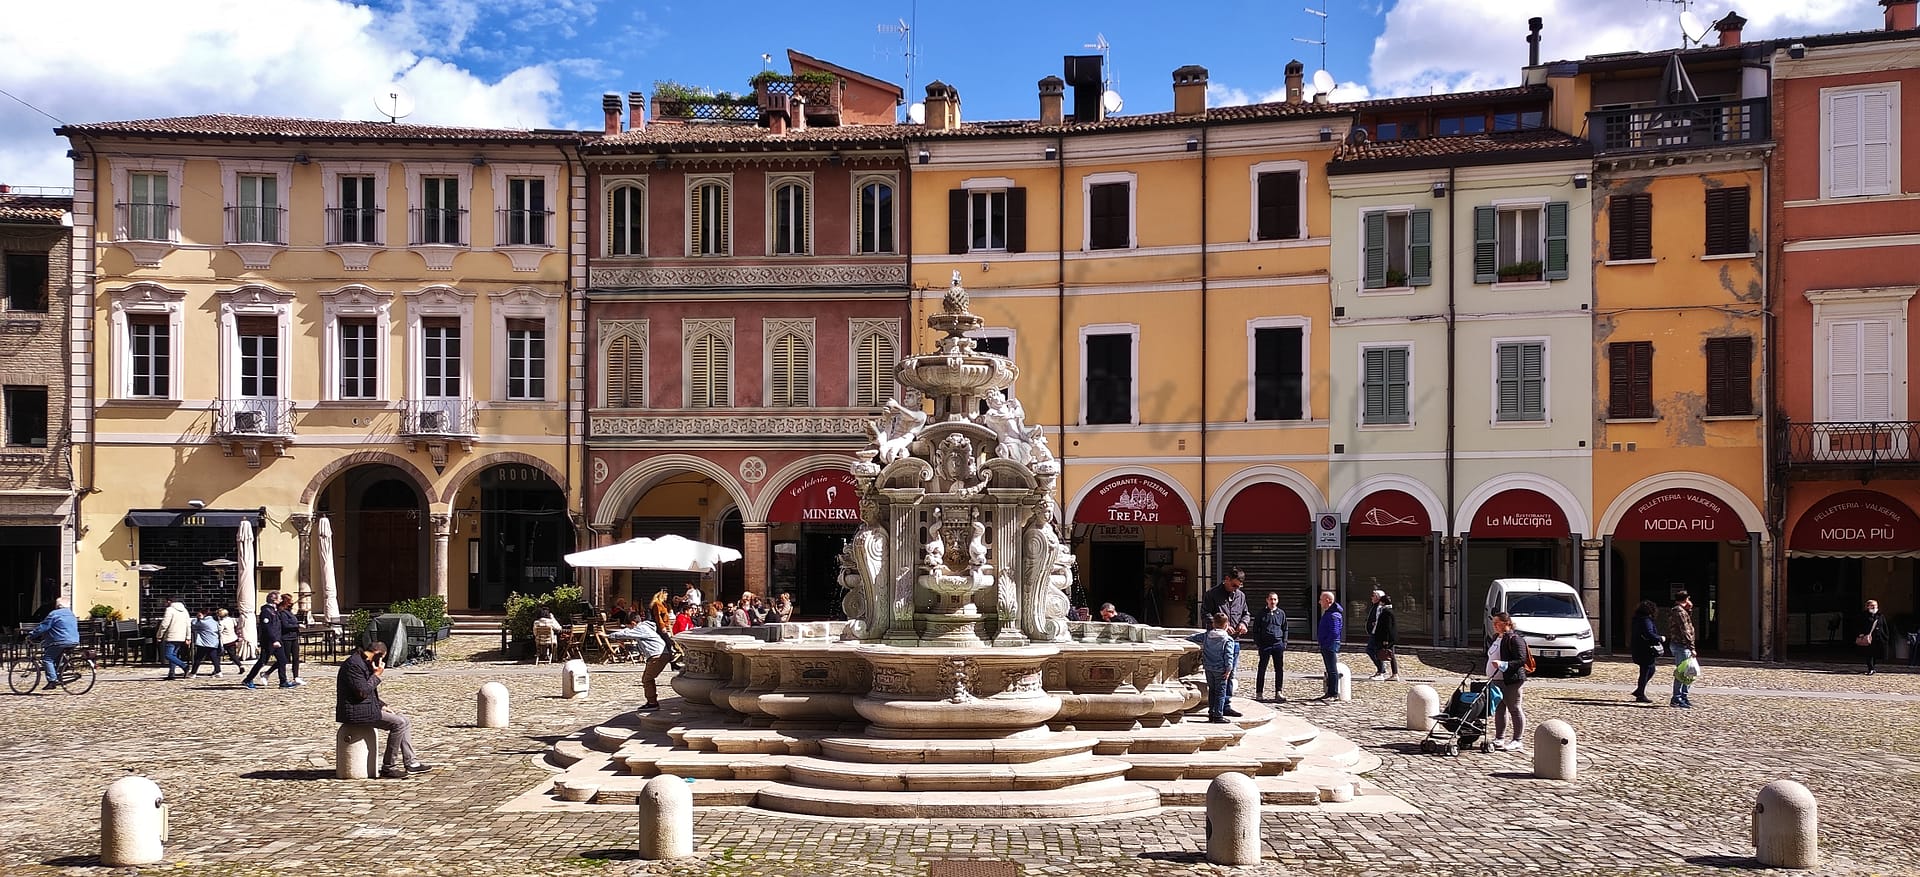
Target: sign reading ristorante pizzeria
1519,514
823,496
1680,515
1133,499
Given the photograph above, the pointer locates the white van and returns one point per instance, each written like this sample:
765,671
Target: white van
1549,614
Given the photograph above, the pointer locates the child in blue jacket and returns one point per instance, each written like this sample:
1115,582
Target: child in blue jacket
1219,653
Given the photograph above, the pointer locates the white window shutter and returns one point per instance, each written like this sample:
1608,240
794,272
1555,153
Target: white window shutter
1844,145
1843,371
1876,370
1876,143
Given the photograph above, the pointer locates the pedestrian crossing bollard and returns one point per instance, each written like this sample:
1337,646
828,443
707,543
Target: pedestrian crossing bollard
1786,826
666,818
573,678
1554,750
133,823
355,750
1423,703
1233,820
491,711
1344,680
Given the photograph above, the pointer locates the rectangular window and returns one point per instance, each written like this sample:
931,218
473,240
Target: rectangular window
259,339
1729,376
1278,381
1398,249
26,417
710,211
1860,378
1386,131
257,218
147,206
359,221
1860,143
987,220
1278,198
1521,381
876,218
1520,244
440,358
526,360
26,276
527,211
359,360
1461,125
1727,222
440,210
626,221
150,356
1110,216
998,345
790,220
1630,379
1110,378
1384,385
1630,227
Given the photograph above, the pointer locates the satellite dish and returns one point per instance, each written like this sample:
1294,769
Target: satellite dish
1323,82
1110,99
393,102
917,113
1690,24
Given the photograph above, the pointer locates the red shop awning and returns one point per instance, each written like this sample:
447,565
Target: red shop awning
1140,500
1268,508
1519,514
1856,523
1680,515
823,496
1389,513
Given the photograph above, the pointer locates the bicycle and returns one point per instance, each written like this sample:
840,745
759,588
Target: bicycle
24,675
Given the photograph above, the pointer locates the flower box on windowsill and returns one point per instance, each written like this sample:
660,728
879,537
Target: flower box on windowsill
1520,272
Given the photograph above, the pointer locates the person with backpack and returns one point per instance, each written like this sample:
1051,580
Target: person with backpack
1508,660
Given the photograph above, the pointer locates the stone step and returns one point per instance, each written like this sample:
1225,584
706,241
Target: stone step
608,738
568,752
1190,767
625,791
1104,798
1330,749
1273,790
1050,774
874,750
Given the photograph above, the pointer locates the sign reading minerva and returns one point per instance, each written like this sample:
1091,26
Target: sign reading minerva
823,496
1857,521
1680,515
1133,499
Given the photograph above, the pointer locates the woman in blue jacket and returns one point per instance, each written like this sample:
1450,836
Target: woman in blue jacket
1646,646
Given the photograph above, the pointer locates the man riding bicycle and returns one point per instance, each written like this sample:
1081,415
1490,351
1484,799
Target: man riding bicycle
61,631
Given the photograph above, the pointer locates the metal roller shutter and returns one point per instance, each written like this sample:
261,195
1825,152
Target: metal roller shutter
1279,563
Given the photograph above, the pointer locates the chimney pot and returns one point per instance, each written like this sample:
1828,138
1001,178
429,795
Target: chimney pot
942,107
1534,26
1730,28
611,103
1296,81
636,111
797,111
1190,92
1901,14
1053,98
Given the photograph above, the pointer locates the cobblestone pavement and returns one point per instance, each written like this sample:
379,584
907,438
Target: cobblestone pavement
1661,791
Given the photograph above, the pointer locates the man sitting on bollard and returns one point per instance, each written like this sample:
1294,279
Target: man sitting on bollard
357,702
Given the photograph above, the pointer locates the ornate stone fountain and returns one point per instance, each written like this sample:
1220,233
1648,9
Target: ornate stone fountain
956,686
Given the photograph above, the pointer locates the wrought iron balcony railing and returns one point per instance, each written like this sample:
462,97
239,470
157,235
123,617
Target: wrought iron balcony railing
438,225
256,225
1870,443
524,228
253,418
144,222
1680,126
437,417
355,225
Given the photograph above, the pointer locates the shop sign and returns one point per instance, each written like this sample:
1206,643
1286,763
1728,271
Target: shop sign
1857,521
1389,513
1519,514
1680,515
823,496
1116,533
1133,499
1326,531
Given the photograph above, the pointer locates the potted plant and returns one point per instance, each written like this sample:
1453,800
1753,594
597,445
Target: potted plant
432,612
1520,272
522,609
1396,277
102,611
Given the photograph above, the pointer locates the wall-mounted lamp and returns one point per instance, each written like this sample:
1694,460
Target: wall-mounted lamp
1579,181
301,158
1797,51
196,504
1050,153
1326,134
925,156
479,161
1193,144
1439,190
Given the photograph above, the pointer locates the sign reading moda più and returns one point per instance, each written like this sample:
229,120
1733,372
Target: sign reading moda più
823,496
1680,515
1133,499
1857,522
1519,513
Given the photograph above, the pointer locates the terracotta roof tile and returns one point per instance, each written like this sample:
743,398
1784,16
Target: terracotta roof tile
1517,92
1541,144
34,209
224,125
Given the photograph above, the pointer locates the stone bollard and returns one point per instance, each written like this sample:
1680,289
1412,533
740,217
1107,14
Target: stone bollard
666,818
1786,826
1423,703
573,678
355,752
1554,750
1233,820
1344,676
133,823
491,711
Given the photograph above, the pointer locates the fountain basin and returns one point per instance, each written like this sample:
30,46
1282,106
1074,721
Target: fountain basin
959,692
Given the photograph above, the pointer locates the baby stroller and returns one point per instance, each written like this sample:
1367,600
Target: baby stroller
1465,721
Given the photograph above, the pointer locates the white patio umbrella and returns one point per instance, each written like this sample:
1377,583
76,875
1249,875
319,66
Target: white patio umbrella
243,589
329,589
673,553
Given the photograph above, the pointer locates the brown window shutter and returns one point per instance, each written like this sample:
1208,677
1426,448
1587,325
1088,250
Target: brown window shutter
1643,226
1717,376
1727,221
1740,373
956,221
1619,380
1631,227
257,326
440,322
1017,220
1642,379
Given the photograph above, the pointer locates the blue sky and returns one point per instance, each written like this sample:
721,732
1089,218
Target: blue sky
545,63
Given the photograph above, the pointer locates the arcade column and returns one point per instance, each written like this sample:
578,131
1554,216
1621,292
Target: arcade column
755,549
442,531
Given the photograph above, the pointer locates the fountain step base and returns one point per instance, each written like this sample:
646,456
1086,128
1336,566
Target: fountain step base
1017,750
1052,774
1111,797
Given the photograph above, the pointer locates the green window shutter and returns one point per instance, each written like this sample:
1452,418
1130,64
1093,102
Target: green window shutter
1420,248
1509,382
1375,387
1376,259
1397,384
1557,240
1486,229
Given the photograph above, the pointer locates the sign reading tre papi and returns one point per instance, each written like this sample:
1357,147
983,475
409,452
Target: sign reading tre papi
823,496
1133,499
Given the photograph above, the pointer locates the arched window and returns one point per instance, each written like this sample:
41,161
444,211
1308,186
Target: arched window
790,225
789,370
626,220
874,355
709,364
623,365
875,220
709,217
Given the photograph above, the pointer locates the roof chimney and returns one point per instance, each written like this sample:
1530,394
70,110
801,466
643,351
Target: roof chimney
797,110
1730,28
636,111
1190,92
611,103
1053,97
1900,14
942,107
1089,81
1534,26
1296,81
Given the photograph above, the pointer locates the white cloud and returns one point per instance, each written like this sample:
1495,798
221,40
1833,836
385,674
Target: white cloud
314,58
1223,95
1461,45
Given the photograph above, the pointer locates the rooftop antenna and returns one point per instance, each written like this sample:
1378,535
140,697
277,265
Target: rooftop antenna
394,103
905,29
1690,24
1109,98
1322,41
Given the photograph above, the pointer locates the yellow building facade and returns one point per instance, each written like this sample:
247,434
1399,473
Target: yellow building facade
280,323
1161,282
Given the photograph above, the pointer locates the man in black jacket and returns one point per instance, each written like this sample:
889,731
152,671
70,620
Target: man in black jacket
1270,637
272,632
357,702
1383,635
